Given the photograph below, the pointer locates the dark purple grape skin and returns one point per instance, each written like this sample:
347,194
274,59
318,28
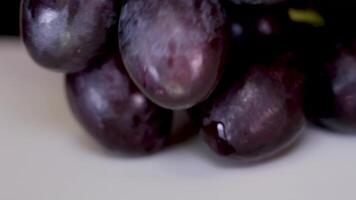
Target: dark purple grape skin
173,49
256,116
110,107
256,2
331,94
67,35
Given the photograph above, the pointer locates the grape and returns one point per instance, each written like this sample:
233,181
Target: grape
173,49
254,2
183,128
258,115
114,111
331,94
67,35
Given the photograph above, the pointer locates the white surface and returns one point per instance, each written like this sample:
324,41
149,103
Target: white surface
44,155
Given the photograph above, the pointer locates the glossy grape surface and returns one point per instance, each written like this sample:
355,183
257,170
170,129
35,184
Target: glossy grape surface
67,35
173,49
258,115
114,111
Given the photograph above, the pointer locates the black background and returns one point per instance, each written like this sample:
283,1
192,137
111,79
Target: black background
9,17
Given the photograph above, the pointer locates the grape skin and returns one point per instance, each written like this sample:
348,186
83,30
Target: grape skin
256,2
67,35
257,116
115,112
331,94
173,49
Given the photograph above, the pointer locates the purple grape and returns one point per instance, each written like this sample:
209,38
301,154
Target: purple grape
173,49
331,96
114,111
258,115
256,2
67,35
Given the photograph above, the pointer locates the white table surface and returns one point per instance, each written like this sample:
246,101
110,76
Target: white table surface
45,155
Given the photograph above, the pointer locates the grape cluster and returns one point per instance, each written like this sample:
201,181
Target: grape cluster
248,72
